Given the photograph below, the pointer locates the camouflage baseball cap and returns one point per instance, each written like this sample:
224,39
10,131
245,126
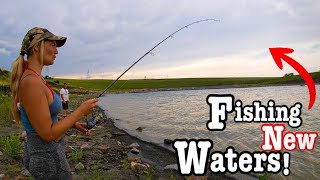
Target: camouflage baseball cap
36,35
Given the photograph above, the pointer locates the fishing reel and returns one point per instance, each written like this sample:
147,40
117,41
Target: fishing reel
91,121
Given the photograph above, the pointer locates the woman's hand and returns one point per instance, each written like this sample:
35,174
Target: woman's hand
82,127
87,106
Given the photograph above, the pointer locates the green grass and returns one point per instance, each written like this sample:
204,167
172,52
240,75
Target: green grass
96,173
264,176
4,82
5,99
76,156
11,145
126,85
12,169
5,110
150,174
125,164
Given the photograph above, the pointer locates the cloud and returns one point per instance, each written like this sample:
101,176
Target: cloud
4,51
106,37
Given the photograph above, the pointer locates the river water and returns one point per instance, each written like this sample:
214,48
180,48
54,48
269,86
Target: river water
184,114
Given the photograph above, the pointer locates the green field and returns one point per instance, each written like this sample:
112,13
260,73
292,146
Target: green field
123,85
127,85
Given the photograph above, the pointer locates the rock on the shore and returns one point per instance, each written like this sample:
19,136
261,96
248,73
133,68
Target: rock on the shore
119,133
171,167
1,153
79,166
138,167
2,175
23,135
25,173
86,146
134,145
133,158
69,149
103,147
135,151
167,141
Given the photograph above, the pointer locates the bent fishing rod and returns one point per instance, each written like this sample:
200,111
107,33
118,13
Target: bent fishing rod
150,51
91,122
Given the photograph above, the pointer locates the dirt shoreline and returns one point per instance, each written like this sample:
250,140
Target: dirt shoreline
159,157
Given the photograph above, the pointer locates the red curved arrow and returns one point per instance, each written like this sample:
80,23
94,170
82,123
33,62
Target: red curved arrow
279,53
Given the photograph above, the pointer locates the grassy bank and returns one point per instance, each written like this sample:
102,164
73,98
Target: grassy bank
127,85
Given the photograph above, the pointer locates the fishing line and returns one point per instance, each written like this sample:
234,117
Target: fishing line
119,85
91,123
125,82
150,52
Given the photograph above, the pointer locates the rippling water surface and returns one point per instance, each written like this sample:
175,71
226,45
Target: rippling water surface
184,114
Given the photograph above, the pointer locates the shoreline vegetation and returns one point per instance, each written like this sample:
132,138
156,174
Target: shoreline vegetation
110,153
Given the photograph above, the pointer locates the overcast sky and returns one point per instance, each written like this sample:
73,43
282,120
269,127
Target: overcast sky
106,37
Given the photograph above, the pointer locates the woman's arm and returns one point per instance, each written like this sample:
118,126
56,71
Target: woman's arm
35,102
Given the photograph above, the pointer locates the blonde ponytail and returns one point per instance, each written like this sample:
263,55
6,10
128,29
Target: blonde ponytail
41,52
16,73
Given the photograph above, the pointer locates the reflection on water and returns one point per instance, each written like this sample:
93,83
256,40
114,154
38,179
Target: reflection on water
184,114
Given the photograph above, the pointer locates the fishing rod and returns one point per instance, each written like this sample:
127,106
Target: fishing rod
150,52
91,122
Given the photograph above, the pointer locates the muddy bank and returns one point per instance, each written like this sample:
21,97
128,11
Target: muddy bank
160,157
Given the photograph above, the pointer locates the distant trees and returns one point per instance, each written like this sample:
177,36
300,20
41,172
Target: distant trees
51,78
47,77
288,75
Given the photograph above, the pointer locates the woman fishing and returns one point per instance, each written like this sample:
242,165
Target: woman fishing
36,105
